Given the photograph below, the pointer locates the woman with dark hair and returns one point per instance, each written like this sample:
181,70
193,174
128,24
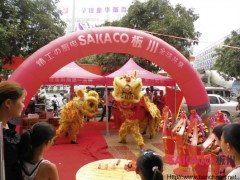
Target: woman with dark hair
149,166
34,143
12,96
230,144
221,158
217,131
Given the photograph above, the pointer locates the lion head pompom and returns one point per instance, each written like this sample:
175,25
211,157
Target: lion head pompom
80,92
93,94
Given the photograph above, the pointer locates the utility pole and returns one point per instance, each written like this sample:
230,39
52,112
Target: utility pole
73,16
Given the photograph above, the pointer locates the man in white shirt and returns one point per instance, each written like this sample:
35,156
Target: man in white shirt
109,99
55,104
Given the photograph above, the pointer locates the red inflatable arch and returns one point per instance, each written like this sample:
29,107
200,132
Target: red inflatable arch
43,63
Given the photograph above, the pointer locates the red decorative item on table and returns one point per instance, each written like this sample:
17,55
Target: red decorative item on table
130,166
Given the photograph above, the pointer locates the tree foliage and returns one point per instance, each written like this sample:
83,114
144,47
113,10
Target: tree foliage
228,58
27,25
111,61
160,18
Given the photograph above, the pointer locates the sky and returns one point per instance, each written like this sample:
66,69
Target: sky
217,18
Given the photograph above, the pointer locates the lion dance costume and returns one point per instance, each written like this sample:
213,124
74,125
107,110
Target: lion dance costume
72,114
136,108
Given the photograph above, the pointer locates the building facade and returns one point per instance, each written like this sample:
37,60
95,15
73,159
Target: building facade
81,15
206,59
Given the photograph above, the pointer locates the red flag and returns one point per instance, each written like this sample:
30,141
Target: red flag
88,24
80,27
16,61
171,102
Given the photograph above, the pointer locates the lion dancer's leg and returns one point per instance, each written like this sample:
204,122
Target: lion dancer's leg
136,133
143,125
123,131
73,132
63,127
152,128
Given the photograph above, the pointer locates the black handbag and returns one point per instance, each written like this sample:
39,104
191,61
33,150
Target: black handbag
11,141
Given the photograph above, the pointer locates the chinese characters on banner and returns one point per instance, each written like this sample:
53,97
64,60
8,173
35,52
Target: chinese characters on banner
135,41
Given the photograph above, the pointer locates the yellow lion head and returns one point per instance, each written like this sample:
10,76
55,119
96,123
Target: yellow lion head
127,88
87,102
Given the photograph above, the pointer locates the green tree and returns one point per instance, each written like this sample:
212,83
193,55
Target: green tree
111,61
27,25
228,58
159,18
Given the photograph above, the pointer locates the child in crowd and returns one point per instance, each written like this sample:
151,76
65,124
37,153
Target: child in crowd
230,145
149,166
33,144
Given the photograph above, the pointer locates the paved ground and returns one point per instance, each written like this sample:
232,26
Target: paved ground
130,150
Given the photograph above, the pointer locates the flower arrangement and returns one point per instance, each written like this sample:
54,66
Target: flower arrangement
210,144
213,148
197,132
167,118
182,124
219,118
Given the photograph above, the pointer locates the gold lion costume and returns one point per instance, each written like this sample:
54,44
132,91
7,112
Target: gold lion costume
72,114
136,108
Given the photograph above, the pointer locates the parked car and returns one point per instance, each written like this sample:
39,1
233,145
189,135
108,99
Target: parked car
218,103
227,94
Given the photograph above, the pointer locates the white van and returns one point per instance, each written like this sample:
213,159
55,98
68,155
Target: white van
227,94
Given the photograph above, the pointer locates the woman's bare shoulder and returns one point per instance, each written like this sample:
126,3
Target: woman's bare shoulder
47,170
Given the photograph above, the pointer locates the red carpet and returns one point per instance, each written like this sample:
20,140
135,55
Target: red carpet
70,157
